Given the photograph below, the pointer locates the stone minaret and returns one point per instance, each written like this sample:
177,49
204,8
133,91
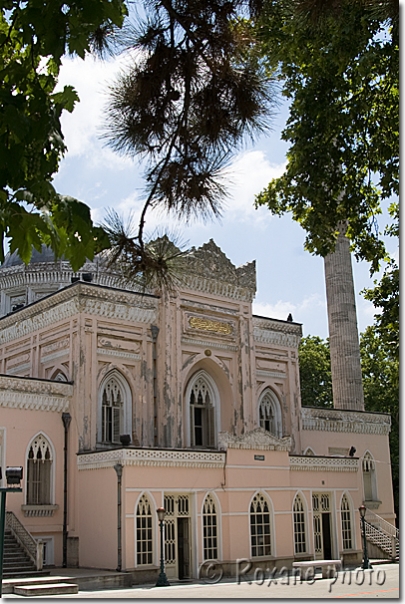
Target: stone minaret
347,385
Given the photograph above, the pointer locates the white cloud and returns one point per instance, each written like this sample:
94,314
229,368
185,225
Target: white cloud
248,174
282,308
82,127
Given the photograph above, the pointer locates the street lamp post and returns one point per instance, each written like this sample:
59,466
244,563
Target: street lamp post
162,579
13,477
366,561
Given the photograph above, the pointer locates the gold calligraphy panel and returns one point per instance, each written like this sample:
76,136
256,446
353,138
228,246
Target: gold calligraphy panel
209,325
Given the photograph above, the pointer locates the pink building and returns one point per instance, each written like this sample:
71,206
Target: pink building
186,401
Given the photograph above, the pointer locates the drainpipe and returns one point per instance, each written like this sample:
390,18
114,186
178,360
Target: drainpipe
66,418
155,332
118,469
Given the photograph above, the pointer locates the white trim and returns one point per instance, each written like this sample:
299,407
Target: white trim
273,539
126,403
53,464
214,393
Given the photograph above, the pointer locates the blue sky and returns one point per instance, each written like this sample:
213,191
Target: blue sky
289,279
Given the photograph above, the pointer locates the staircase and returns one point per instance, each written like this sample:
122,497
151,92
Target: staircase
16,562
382,534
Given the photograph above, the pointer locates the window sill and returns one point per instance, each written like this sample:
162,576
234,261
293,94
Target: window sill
39,510
372,504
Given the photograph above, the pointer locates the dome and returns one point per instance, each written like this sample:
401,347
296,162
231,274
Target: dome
45,255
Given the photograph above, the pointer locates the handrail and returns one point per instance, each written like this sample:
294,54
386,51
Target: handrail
385,526
33,548
388,543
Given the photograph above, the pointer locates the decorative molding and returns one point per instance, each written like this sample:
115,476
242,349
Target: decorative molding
267,336
277,325
322,464
256,439
271,374
17,368
119,353
209,343
39,510
151,457
338,420
217,288
91,299
38,395
55,355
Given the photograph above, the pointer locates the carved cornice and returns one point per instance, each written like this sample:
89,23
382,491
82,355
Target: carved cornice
123,354
91,299
271,374
276,325
217,288
151,457
38,395
257,439
337,420
323,464
268,336
210,343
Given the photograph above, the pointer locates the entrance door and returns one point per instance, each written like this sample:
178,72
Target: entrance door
177,536
322,526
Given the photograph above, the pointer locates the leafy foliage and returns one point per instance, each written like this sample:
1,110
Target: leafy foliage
340,74
380,367
315,372
34,36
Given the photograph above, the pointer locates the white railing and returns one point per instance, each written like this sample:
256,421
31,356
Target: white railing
33,548
382,524
389,544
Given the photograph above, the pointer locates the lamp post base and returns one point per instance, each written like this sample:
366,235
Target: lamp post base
162,580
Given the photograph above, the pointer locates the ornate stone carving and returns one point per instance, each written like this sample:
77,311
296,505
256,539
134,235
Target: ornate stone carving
210,343
39,510
150,457
206,324
39,395
256,439
277,325
123,354
322,464
337,420
267,336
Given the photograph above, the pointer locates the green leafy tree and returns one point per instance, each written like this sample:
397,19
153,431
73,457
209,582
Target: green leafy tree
315,372
34,36
340,74
380,368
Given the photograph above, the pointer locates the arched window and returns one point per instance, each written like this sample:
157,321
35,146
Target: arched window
260,528
210,529
115,416
144,537
346,519
202,418
39,472
369,481
270,413
300,543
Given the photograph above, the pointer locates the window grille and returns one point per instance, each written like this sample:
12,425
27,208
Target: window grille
143,532
300,545
210,529
112,411
260,527
39,468
346,523
202,415
270,414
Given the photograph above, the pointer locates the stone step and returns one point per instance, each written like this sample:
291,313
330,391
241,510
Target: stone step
17,574
48,589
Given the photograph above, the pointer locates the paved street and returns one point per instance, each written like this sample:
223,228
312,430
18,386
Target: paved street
380,582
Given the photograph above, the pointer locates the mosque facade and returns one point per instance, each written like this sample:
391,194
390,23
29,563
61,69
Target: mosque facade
116,403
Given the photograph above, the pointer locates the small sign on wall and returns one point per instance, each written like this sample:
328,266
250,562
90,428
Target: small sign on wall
259,457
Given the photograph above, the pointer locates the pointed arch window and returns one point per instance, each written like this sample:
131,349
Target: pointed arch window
270,413
346,519
260,527
210,529
369,478
300,543
39,472
115,417
144,532
202,419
